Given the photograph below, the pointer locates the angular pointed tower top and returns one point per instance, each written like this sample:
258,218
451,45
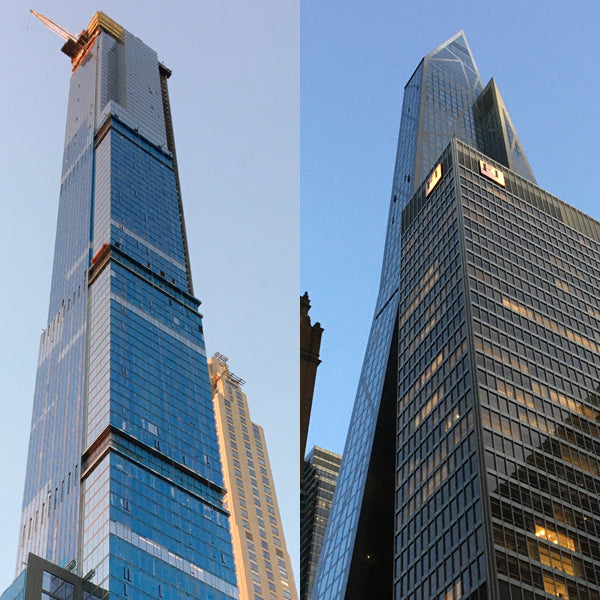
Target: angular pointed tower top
444,99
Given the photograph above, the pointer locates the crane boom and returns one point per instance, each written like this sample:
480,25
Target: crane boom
77,47
50,24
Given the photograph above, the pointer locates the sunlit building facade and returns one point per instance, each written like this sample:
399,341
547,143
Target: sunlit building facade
262,563
124,480
470,466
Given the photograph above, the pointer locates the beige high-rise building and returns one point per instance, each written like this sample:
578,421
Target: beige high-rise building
262,563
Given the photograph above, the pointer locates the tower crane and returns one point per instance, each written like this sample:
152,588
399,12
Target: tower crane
58,30
73,45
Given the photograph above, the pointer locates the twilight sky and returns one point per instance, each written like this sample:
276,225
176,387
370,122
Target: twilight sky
356,58
235,101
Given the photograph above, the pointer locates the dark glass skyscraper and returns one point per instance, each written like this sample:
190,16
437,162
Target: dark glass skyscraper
123,473
321,469
498,455
413,514
444,97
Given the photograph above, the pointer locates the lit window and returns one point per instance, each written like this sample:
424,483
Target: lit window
556,538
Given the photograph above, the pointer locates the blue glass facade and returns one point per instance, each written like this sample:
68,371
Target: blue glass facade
124,474
444,98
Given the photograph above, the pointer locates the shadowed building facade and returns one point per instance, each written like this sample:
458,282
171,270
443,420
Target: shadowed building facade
417,510
498,457
310,344
123,475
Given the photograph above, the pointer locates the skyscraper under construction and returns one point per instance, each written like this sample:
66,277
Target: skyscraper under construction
124,481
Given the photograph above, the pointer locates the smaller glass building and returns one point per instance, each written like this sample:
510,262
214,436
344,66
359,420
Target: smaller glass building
319,477
43,580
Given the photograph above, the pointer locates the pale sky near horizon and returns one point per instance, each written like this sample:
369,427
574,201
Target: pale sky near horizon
235,103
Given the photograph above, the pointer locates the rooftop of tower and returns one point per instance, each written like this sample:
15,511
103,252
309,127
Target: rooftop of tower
76,49
77,46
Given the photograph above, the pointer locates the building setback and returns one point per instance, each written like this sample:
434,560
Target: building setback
43,580
123,476
319,477
471,465
263,566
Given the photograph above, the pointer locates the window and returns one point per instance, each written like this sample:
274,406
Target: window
555,537
57,586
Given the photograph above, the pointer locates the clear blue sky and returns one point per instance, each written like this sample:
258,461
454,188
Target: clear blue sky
235,101
356,58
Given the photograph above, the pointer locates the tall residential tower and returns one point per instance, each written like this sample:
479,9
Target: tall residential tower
262,561
124,475
417,510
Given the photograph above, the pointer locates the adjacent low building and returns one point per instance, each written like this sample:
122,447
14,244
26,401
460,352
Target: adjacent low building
319,477
310,344
43,580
